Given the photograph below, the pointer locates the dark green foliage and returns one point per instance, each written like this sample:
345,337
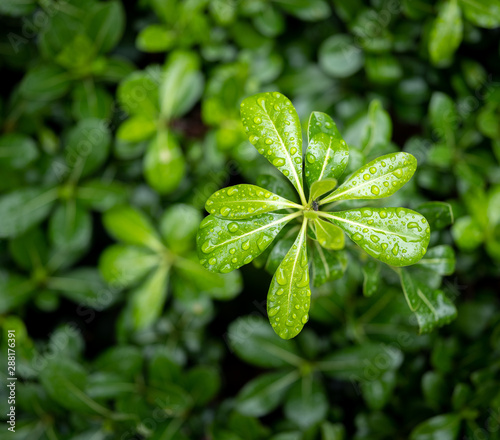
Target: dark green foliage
119,120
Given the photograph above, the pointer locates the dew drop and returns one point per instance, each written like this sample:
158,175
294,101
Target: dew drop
357,236
414,225
374,238
395,249
293,150
398,173
253,139
375,190
246,245
278,162
233,227
297,160
383,214
305,318
269,141
232,251
373,170
225,211
212,261
257,120
310,158
366,177
384,246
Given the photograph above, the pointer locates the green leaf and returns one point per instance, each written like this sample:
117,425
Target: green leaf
327,265
101,195
138,94
432,307
123,265
65,382
371,277
85,287
306,403
17,8
362,363
377,393
327,153
147,300
24,208
216,285
468,233
379,178
178,227
329,236
446,33
17,151
16,290
155,38
131,226
340,57
225,245
321,187
288,299
182,84
164,164
443,116
203,383
88,144
245,201
256,343
44,83
123,360
91,101
262,395
105,23
70,228
396,236
438,214
440,259
482,13
137,128
29,250
443,427
273,127
378,129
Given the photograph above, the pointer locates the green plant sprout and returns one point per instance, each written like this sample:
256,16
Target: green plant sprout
245,219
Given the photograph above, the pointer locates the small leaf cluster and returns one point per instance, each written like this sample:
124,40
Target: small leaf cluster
245,219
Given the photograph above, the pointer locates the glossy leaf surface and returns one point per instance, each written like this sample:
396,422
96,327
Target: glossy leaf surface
446,33
396,236
440,259
273,127
432,307
379,178
289,295
225,245
245,201
329,236
321,187
326,157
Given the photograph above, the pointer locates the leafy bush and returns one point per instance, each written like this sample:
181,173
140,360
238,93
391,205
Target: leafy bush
120,121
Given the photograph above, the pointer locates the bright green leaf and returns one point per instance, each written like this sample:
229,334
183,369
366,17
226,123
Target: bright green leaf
329,236
178,227
379,178
289,295
321,187
131,226
443,427
396,236
225,245
446,33
273,126
245,201
482,13
164,164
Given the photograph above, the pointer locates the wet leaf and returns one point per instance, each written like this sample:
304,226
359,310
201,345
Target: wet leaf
321,187
273,127
245,201
396,236
225,245
379,178
329,236
440,259
289,295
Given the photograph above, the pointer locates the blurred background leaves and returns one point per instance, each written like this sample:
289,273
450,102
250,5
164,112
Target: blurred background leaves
119,119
